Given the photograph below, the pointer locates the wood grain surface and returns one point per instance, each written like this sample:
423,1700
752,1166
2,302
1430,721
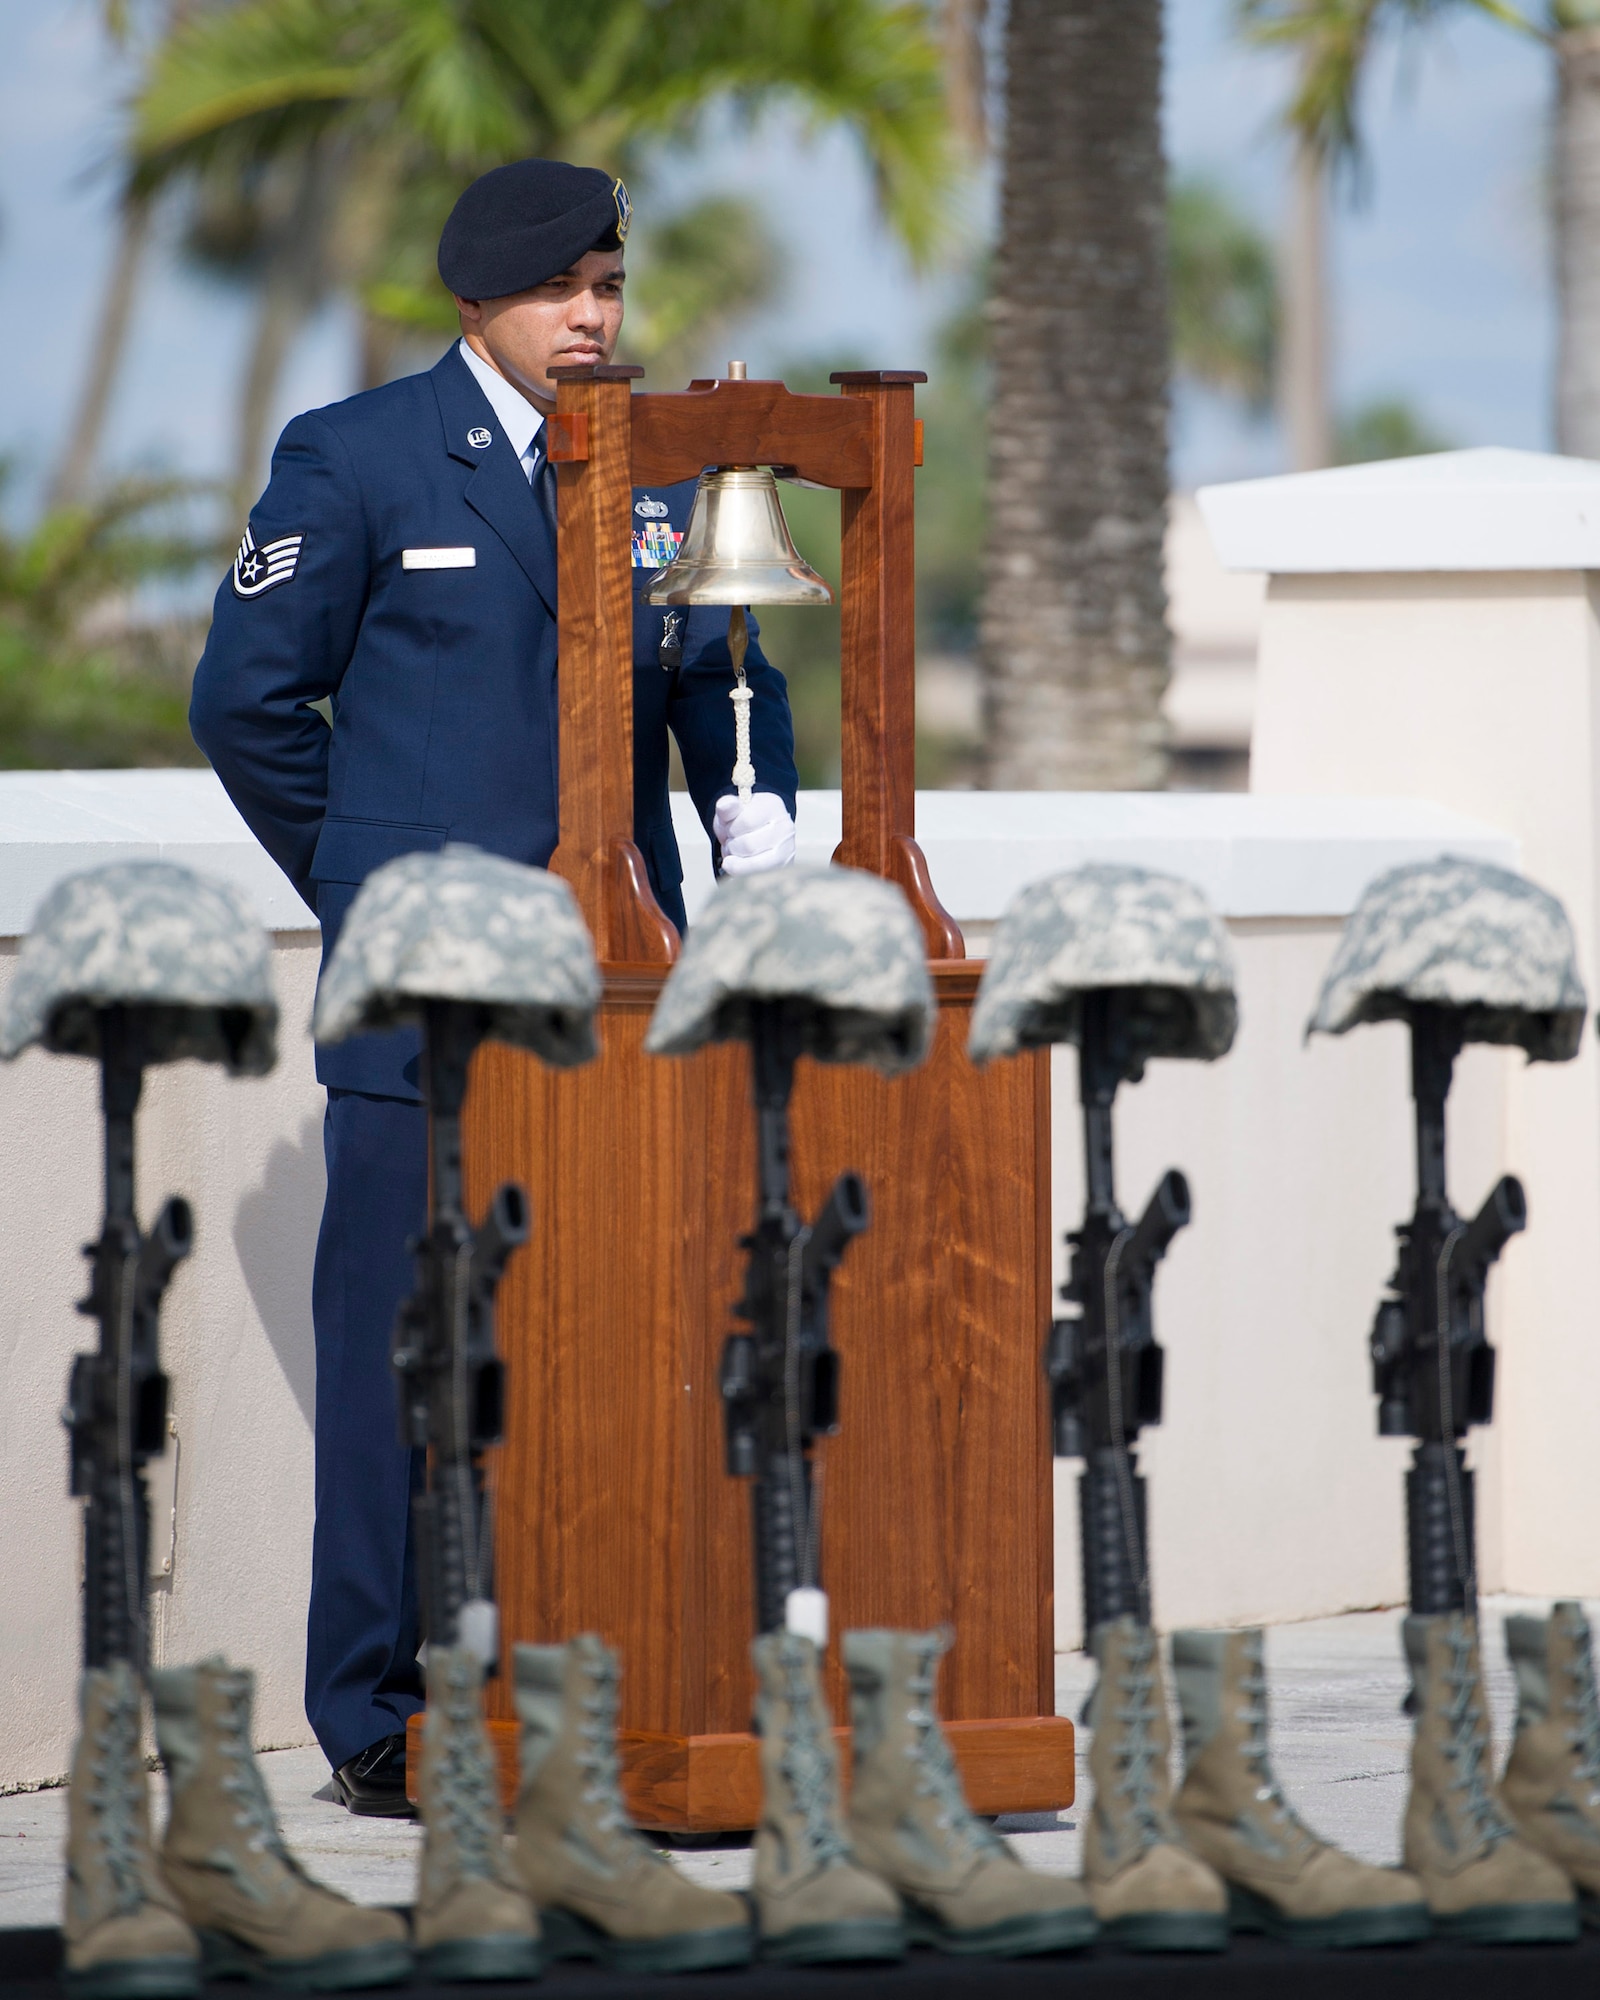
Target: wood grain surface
822,438
614,1513
878,659
595,587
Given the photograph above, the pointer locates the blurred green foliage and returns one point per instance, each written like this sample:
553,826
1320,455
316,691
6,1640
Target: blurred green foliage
410,99
1224,293
82,683
693,275
950,517
1388,428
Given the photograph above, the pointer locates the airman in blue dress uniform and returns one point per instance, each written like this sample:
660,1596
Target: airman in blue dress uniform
401,566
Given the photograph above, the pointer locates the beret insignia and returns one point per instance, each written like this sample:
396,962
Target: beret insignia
619,194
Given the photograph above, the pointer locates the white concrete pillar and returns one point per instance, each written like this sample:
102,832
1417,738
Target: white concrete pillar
1431,632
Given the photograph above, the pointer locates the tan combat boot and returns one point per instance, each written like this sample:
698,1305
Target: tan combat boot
472,1919
123,1935
1281,1878
256,1911
1149,1892
964,1889
1483,1883
602,1890
814,1902
1551,1786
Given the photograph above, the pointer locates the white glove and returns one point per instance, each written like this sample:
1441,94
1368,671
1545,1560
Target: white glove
754,834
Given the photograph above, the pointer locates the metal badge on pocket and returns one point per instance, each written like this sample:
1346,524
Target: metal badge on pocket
438,558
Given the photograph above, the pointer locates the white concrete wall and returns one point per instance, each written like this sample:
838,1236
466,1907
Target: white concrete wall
1488,687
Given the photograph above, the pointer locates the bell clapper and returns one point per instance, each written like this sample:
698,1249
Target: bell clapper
744,771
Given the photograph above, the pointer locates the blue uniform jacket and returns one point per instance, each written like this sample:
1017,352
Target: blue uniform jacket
442,680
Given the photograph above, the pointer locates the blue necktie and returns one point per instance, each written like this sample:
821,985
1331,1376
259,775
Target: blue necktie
543,481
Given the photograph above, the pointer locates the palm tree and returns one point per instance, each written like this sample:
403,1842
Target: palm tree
1335,40
69,483
1225,304
1074,641
74,470
1305,390
81,683
415,97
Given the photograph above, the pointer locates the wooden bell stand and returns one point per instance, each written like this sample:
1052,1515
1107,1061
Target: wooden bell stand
613,1511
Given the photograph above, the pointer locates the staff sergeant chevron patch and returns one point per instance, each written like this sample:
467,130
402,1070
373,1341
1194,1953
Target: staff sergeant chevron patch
258,569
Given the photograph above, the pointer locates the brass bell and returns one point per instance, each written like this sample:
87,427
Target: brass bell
737,548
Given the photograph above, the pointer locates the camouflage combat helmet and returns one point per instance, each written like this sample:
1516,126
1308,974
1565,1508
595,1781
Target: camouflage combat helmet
1462,934
1107,926
841,939
463,925
186,950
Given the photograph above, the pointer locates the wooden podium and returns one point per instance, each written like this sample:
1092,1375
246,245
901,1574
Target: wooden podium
613,1511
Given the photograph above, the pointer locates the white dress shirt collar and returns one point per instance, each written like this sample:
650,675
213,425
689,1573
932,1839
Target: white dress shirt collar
516,416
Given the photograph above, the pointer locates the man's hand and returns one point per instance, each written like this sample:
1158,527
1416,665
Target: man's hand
754,834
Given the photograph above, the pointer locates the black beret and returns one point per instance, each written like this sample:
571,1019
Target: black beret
518,226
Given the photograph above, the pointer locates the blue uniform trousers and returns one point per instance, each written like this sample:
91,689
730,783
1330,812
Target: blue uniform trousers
362,1677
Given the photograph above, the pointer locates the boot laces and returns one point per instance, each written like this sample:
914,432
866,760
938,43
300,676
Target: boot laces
1136,1748
1253,1714
598,1764
118,1778
1584,1706
1467,1745
806,1766
936,1777
467,1801
252,1808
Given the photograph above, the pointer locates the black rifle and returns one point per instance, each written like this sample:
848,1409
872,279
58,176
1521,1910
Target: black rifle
1432,1365
1103,1363
451,1378
117,1397
780,1381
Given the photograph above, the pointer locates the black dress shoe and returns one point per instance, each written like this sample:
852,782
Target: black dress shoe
373,1782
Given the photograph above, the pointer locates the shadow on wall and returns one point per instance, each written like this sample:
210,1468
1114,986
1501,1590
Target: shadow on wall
275,1234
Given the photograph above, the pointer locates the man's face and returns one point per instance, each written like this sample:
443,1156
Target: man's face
575,317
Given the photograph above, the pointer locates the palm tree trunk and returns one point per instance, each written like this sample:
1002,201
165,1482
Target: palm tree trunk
1073,632
291,283
70,482
1303,385
1577,219
966,85
381,342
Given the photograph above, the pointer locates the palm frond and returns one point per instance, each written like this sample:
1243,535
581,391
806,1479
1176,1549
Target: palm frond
1224,293
475,82
1334,41
695,276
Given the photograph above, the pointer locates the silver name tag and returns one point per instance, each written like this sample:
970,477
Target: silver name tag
439,559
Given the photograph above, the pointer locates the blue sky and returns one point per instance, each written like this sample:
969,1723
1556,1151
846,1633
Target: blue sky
1443,295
